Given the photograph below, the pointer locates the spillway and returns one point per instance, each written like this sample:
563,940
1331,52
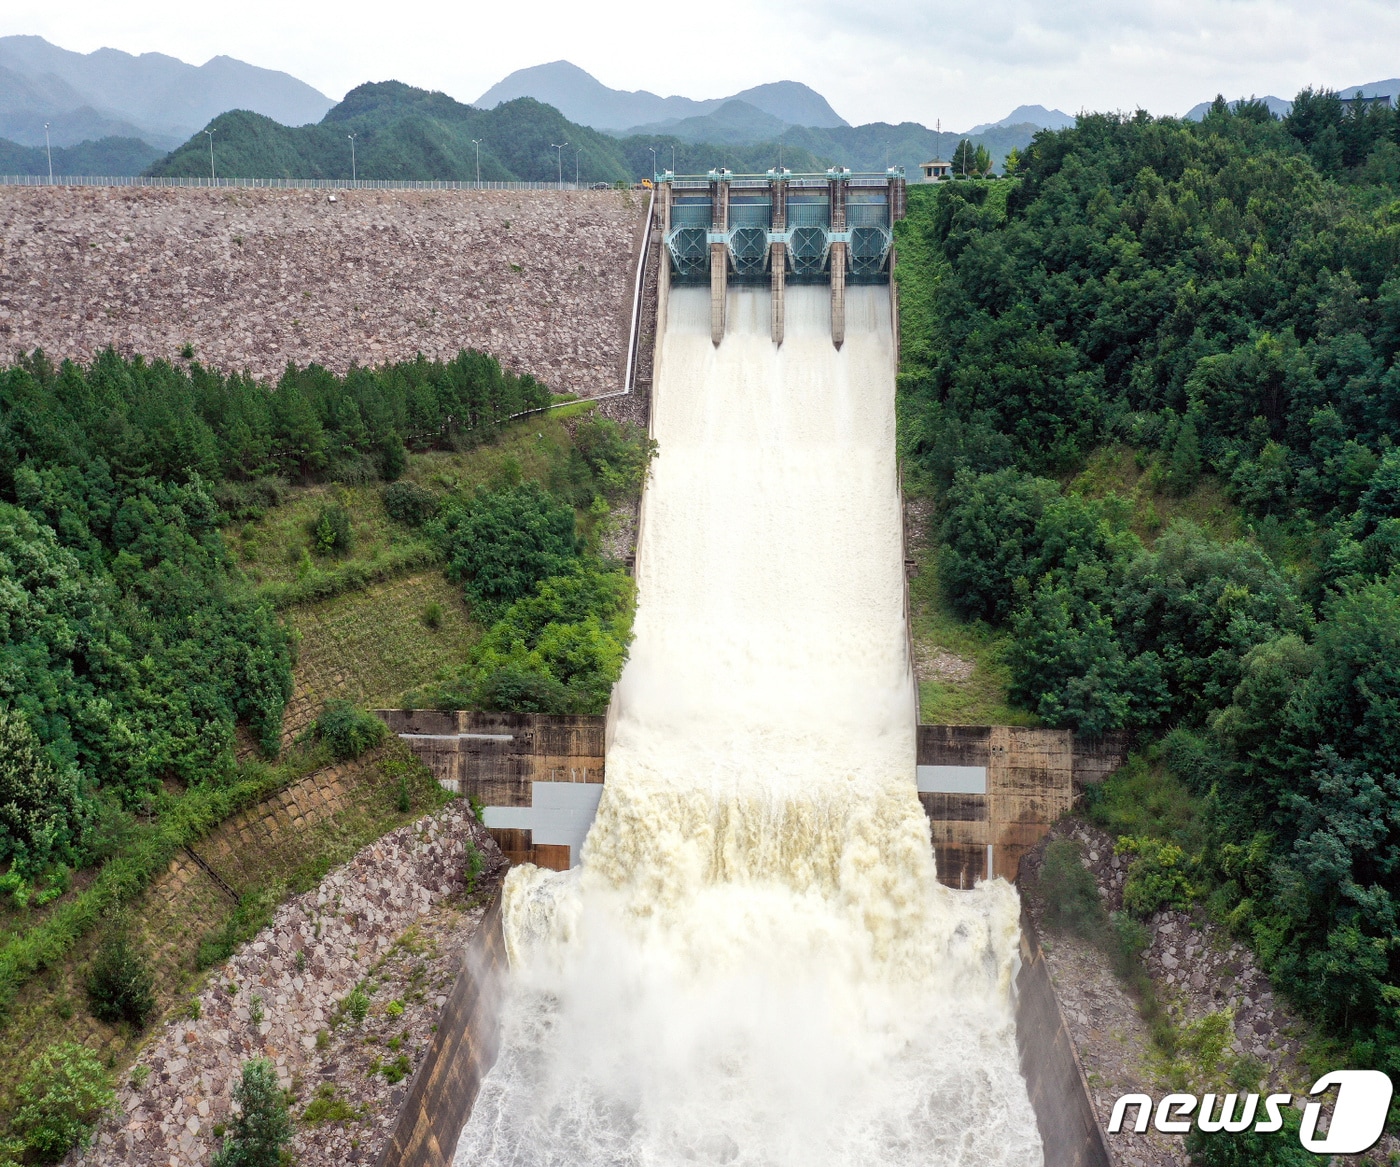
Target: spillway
755,965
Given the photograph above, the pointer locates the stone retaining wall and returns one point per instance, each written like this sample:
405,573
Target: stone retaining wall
256,278
280,997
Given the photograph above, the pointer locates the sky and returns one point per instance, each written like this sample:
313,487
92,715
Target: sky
926,60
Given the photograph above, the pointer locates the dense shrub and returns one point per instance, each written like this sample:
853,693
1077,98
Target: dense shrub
617,454
119,984
1158,878
1251,1148
347,730
503,542
1068,889
262,1127
43,814
409,503
331,530
60,1099
560,650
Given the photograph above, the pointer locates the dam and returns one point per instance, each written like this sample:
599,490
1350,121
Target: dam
755,963
744,954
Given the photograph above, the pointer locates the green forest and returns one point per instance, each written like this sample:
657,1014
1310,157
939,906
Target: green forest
1221,301
407,133
134,649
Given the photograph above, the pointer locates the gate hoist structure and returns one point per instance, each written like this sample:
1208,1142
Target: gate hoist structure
834,228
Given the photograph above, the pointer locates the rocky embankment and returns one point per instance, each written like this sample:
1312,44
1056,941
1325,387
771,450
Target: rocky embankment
342,992
1197,968
252,279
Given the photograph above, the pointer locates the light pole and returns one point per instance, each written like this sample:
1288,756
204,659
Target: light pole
560,148
353,174
211,134
673,158
576,152
49,151
477,143
653,162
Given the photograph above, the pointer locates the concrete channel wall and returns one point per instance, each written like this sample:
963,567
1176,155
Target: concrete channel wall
444,1088
1064,1111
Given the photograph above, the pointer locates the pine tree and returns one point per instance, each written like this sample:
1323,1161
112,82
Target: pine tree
262,1128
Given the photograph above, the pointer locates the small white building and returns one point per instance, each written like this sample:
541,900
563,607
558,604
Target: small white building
937,170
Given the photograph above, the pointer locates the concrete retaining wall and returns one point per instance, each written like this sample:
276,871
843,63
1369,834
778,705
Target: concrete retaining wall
1096,758
444,1089
1031,778
497,757
1054,1076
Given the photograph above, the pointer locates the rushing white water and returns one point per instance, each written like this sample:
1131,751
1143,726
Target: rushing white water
755,965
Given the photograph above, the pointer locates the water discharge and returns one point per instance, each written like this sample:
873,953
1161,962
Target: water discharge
755,965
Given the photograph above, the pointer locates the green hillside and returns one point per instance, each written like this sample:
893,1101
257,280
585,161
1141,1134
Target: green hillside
413,134
402,133
879,145
1150,394
106,156
700,157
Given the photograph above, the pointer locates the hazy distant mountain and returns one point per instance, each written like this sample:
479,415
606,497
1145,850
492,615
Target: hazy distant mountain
734,122
1029,115
1389,89
582,98
109,156
152,96
1279,107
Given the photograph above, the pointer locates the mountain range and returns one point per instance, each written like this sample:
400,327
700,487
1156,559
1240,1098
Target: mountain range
582,98
407,133
115,113
1029,115
109,93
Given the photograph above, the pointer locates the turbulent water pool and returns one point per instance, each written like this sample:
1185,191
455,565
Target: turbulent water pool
755,964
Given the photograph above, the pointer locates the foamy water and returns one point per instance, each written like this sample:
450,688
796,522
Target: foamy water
755,964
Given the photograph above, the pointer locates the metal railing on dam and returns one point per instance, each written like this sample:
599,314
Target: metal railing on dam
280,183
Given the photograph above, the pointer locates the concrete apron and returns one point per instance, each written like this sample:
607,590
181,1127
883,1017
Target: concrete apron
464,1048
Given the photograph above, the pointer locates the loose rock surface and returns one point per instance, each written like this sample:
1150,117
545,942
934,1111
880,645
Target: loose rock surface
1197,968
253,279
394,921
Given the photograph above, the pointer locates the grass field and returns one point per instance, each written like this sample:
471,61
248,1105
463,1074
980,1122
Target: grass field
274,549
372,646
1123,471
528,449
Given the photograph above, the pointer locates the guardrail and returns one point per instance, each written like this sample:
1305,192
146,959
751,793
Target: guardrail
278,183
